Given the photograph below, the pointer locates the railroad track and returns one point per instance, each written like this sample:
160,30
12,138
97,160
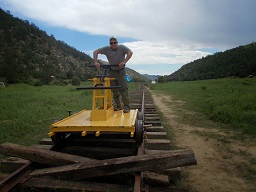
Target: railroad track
107,147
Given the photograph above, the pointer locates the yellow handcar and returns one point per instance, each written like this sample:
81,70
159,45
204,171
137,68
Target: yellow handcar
101,118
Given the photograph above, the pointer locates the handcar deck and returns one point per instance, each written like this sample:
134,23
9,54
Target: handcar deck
78,122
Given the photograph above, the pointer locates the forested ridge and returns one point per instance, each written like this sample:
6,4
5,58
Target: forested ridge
236,62
29,55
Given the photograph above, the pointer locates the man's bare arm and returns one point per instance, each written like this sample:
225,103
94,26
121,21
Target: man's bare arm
95,58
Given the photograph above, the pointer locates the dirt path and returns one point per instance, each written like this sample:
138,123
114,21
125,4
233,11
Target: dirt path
224,164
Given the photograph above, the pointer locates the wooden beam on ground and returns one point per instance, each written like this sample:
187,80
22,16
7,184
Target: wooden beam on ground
157,144
43,184
11,164
174,174
147,162
155,179
99,152
43,156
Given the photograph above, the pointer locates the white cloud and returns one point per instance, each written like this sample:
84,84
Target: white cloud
163,52
218,22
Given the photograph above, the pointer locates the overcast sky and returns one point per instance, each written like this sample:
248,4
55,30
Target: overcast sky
163,34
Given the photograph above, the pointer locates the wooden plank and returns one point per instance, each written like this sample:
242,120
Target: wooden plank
49,184
147,162
156,135
46,141
105,139
138,176
174,174
151,105
46,147
169,189
3,175
152,118
155,179
99,152
152,115
101,142
150,111
153,122
43,156
155,129
11,164
157,144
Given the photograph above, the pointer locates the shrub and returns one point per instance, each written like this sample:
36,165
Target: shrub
75,80
59,82
38,83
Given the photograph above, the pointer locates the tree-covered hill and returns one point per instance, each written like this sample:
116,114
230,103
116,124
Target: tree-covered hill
237,62
29,55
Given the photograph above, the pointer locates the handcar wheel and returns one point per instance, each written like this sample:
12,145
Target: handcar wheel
58,137
140,116
139,131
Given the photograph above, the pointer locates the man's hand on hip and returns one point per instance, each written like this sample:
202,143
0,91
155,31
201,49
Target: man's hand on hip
122,64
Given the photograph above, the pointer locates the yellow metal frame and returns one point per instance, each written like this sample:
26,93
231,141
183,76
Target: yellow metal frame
102,107
102,117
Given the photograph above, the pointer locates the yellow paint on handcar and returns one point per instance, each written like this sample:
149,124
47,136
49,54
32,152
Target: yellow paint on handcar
97,134
50,134
79,122
84,133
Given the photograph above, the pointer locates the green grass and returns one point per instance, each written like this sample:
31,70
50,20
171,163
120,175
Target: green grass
230,100
27,111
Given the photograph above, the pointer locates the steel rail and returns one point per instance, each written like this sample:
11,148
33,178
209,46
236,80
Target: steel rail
16,177
138,182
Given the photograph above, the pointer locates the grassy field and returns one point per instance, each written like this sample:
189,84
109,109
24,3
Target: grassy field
229,100
27,111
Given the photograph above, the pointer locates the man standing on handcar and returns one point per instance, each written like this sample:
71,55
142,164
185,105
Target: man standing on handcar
116,54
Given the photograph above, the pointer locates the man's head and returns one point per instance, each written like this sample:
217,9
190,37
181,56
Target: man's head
113,42
113,38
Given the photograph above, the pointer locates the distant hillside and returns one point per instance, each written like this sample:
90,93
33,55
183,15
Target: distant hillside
135,76
28,54
151,77
237,62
